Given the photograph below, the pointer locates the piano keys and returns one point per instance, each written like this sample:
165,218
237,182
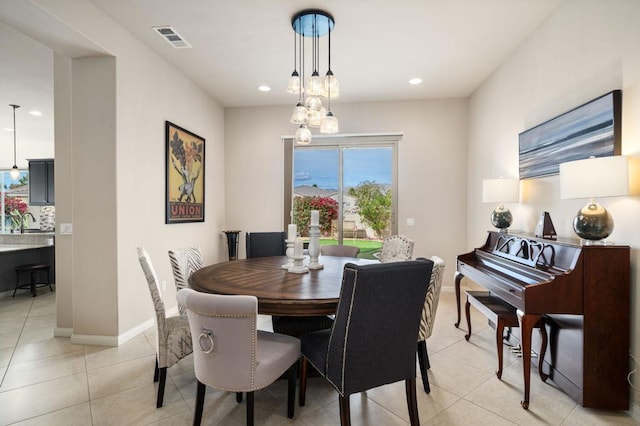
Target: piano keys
583,294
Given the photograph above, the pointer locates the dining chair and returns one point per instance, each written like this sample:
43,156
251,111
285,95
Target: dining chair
339,250
184,262
230,354
396,248
265,244
428,317
376,324
173,336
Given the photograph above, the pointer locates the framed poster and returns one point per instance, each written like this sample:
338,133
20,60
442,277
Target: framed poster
592,129
184,175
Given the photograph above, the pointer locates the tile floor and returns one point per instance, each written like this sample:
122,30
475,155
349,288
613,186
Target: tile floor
49,381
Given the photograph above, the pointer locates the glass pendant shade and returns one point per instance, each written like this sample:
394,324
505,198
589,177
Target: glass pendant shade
299,115
15,172
315,84
303,135
329,125
331,86
313,103
316,117
294,84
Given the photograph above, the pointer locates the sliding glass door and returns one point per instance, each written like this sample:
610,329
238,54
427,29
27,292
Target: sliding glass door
352,184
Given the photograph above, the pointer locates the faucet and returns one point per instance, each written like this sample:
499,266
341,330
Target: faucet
22,216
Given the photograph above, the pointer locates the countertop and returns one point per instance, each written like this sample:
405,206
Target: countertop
4,248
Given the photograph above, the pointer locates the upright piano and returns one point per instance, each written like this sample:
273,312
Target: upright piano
581,292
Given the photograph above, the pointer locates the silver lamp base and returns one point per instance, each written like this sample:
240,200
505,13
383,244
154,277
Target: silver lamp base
593,222
501,218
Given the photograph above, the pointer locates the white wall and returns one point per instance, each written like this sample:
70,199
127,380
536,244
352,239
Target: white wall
117,191
585,49
431,178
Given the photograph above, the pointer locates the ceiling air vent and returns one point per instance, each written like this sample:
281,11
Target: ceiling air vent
172,37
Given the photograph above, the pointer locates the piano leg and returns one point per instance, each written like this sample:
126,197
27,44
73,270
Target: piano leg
458,277
499,345
467,311
527,323
543,350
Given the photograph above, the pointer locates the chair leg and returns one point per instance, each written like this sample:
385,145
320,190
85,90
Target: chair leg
238,397
412,401
291,394
249,408
33,284
197,416
163,379
345,411
304,365
156,372
423,360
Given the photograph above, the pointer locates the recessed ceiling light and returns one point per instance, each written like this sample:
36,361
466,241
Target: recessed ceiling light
36,113
264,88
415,81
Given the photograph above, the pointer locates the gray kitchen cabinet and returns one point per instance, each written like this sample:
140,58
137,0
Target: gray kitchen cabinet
41,182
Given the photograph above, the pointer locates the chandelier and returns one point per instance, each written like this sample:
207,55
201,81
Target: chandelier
309,111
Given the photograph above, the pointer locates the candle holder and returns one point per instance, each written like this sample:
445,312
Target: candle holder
289,253
298,265
314,247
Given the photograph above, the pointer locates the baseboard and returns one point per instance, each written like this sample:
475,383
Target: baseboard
62,332
133,332
85,339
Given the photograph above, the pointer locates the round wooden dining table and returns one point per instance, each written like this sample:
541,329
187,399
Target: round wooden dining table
279,292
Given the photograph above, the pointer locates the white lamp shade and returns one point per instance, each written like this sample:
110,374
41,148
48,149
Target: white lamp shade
594,177
500,190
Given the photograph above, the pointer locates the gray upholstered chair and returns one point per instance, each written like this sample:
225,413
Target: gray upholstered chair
230,354
174,337
339,250
376,324
184,262
428,318
396,249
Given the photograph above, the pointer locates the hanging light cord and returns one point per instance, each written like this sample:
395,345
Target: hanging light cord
14,134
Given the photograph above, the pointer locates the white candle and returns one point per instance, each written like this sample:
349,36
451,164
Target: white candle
292,231
315,217
297,248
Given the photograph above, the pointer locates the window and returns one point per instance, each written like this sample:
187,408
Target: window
352,181
14,195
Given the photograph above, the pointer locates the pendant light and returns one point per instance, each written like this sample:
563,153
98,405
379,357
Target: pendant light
15,172
309,111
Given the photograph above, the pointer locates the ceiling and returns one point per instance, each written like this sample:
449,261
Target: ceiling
377,45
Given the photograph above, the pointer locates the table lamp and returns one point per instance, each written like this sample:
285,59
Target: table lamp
590,178
501,191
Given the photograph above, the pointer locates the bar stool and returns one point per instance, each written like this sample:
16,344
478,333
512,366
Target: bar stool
32,269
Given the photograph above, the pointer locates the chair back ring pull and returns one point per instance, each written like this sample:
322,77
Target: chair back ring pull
207,334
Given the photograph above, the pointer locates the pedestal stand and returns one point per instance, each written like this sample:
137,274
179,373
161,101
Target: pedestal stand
232,243
298,265
289,253
314,247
